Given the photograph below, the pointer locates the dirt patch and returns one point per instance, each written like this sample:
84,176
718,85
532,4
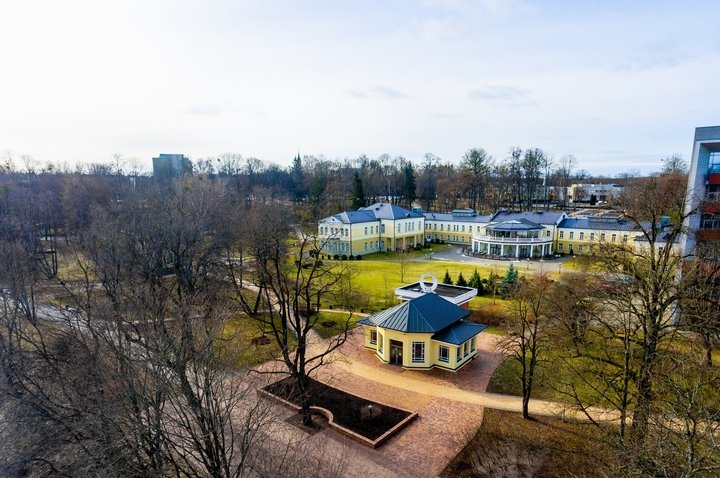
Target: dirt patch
508,446
362,416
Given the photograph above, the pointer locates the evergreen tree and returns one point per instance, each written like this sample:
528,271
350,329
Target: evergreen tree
358,199
510,279
476,282
447,279
409,182
461,281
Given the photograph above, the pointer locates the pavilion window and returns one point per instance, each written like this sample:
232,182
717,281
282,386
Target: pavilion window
444,354
373,337
418,351
380,343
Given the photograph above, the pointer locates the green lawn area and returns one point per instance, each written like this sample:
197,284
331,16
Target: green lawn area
393,256
379,279
239,347
331,324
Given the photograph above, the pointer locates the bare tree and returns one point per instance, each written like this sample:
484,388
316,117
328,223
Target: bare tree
294,282
527,330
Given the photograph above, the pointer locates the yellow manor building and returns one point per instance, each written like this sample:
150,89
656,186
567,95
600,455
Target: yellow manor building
376,228
505,234
423,333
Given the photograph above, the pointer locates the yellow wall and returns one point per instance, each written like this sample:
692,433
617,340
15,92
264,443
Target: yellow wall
432,349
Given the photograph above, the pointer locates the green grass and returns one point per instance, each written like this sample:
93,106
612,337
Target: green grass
238,347
377,280
394,256
340,319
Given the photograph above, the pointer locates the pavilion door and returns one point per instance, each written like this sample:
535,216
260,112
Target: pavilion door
396,352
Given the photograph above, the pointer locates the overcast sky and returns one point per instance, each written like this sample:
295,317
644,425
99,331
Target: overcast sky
618,84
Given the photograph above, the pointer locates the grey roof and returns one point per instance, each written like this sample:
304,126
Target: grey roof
352,217
459,332
516,225
538,217
390,211
442,216
588,223
428,313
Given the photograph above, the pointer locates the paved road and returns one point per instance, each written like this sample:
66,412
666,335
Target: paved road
490,400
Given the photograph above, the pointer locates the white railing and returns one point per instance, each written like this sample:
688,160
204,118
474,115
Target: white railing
513,240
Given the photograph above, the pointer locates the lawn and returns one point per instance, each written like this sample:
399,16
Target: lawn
248,342
507,445
331,324
377,280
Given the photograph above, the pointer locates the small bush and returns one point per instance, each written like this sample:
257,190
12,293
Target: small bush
352,258
344,257
336,257
358,257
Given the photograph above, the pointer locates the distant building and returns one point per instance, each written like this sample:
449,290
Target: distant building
585,192
167,166
703,190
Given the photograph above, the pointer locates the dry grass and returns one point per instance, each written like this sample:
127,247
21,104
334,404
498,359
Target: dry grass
508,446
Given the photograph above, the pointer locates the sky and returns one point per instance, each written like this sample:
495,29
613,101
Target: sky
618,84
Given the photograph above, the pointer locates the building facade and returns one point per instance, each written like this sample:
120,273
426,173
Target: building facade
377,228
703,191
456,227
167,166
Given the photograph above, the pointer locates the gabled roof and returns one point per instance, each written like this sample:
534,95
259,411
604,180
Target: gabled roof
459,332
538,217
428,313
390,211
516,225
352,217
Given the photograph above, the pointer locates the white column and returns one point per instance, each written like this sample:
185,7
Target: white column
502,249
517,251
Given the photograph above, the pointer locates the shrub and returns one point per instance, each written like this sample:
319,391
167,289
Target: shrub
336,257
352,258
447,279
344,257
358,257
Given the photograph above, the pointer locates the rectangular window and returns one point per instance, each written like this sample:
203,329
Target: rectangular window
381,339
571,234
580,248
590,249
418,351
472,345
382,228
582,236
624,238
459,353
466,349
547,233
366,230
602,236
463,228
373,337
435,227
560,247
366,246
613,237
470,229
444,354
441,227
562,234
592,236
